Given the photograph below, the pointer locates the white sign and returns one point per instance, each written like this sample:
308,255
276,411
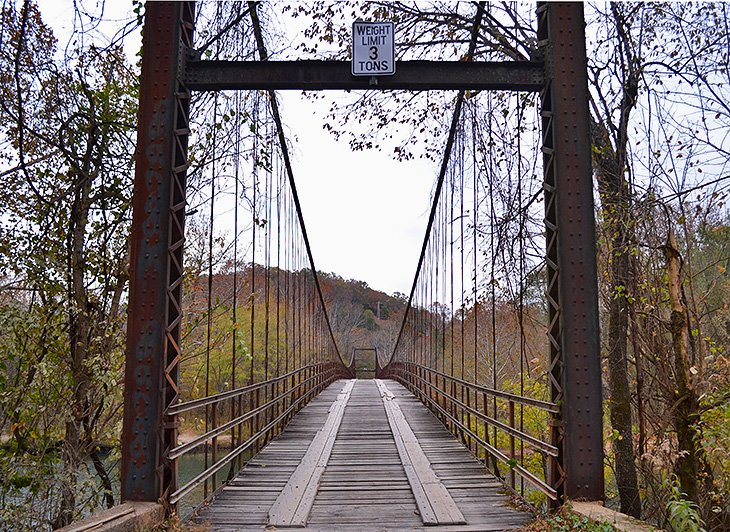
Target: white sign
373,49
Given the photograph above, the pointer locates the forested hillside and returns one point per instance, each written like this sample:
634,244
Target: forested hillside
360,316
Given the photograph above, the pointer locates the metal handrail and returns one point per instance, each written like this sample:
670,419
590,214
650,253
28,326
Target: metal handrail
527,401
531,440
220,464
408,374
528,475
193,404
187,447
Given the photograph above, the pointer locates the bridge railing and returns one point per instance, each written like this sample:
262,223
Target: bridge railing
490,422
264,407
488,248
229,336
256,344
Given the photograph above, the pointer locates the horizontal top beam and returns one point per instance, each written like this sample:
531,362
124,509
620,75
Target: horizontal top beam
333,75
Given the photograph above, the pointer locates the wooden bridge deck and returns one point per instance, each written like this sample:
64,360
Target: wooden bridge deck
364,455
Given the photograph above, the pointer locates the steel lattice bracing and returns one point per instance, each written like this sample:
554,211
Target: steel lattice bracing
571,253
150,383
152,386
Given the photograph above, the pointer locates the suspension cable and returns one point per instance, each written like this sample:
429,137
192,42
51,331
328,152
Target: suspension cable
273,102
444,167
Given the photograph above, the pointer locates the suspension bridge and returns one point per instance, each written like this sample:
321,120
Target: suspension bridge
231,353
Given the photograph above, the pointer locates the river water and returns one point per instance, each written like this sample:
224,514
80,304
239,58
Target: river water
189,466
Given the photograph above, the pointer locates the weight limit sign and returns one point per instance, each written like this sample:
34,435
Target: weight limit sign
373,49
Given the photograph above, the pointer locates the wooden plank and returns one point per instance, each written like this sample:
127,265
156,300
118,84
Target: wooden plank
484,505
281,456
434,501
292,506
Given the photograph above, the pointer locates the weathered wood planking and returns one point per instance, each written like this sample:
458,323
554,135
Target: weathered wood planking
245,503
292,506
479,495
364,486
435,504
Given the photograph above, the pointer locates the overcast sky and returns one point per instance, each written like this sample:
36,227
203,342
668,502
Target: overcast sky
365,213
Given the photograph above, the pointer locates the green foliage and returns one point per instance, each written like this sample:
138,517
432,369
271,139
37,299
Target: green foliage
536,498
570,522
63,265
682,515
716,440
367,320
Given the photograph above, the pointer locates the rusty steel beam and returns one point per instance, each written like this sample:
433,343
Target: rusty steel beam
320,75
150,380
572,292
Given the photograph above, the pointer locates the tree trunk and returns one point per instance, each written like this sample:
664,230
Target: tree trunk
615,198
610,155
618,377
79,331
67,507
691,467
104,476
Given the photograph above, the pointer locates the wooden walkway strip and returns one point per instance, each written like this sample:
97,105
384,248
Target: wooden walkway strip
435,504
292,506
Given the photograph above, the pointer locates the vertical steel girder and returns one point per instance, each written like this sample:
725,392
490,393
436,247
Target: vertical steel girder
152,355
572,290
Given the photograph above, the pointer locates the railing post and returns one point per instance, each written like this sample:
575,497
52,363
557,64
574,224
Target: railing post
468,417
239,433
293,392
452,403
512,444
214,446
257,403
575,369
447,403
152,354
431,392
274,408
485,426
420,381
309,385
442,402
